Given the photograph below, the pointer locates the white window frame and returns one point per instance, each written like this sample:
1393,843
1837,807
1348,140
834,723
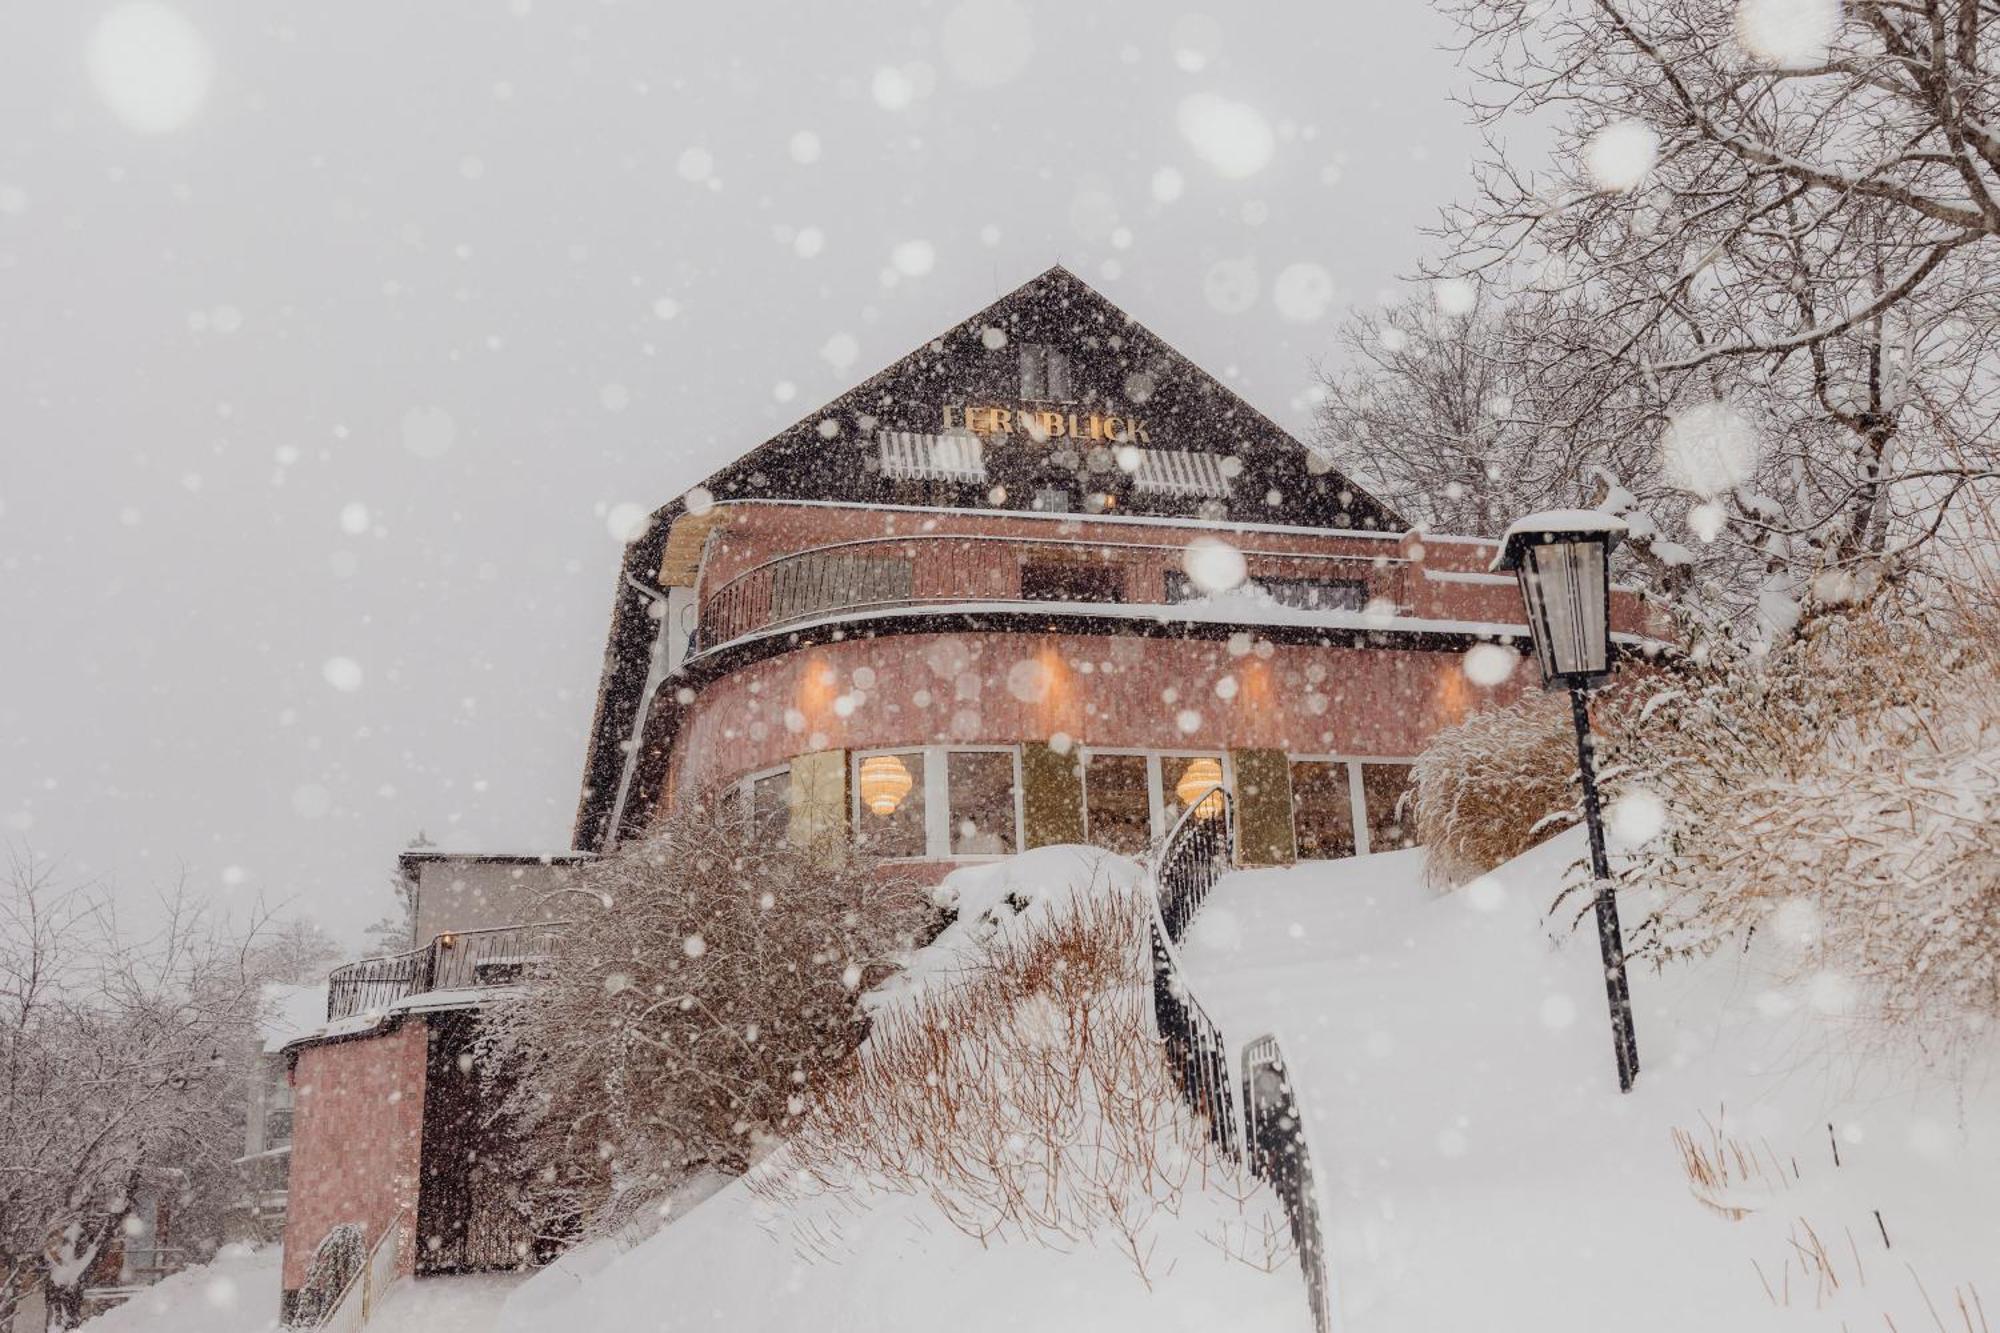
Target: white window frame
1155,816
937,799
1155,771
941,833
1156,787
1357,796
746,790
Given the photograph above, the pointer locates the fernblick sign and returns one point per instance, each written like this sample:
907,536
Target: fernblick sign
1041,424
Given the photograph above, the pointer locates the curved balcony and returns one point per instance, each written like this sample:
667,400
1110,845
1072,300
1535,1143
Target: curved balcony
940,569
455,960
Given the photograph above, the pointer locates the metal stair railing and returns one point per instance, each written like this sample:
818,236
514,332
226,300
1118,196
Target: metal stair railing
1271,1133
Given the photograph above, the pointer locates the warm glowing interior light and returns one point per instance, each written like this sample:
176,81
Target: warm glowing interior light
885,781
1201,775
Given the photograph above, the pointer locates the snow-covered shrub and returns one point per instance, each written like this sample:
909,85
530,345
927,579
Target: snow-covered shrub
1485,790
706,980
1027,1098
1840,794
334,1264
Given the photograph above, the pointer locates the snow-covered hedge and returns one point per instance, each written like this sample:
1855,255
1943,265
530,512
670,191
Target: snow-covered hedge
1015,1082
1493,786
1841,793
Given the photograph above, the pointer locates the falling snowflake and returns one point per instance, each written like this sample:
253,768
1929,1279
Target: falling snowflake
343,673
1214,565
1710,449
1791,34
1233,138
1619,156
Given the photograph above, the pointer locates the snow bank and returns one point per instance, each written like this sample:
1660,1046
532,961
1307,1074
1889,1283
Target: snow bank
236,1293
891,1264
993,897
1479,1166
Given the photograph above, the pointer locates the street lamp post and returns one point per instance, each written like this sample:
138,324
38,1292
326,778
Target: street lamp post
1562,558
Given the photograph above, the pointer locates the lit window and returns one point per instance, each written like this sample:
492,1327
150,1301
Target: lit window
1384,787
981,802
1190,778
1322,810
1117,810
771,807
890,788
1053,500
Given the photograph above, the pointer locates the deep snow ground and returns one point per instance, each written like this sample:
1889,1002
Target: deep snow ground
237,1292
1479,1167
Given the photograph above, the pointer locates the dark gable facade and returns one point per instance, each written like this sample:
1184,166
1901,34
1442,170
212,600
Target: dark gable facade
1053,397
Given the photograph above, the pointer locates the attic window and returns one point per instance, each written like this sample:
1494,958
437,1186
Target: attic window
1045,374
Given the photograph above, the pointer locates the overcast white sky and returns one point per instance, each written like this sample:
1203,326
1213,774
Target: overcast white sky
329,334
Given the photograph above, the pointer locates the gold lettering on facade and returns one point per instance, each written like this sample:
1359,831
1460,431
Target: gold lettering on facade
1039,424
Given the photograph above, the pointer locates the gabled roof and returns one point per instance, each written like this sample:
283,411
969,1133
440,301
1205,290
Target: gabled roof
1119,370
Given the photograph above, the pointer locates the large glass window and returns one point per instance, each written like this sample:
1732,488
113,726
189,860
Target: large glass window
981,802
1118,812
1190,778
1383,787
771,806
890,788
1322,810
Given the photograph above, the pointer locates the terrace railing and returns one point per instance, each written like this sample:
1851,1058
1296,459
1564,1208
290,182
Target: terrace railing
927,569
1271,1132
455,960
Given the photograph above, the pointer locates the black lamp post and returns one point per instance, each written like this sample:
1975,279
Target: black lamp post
1562,558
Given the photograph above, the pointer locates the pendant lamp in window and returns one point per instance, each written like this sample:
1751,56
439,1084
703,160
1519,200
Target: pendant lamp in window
885,781
1201,781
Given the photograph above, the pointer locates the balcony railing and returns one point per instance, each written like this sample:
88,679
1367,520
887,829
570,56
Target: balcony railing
455,960
929,569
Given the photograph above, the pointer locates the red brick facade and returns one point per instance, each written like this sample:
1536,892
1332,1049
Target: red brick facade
357,1141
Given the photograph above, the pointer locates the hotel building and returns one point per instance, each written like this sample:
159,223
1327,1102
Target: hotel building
1043,580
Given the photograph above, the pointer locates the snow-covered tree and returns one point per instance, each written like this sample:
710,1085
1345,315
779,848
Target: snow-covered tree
707,977
396,931
119,1071
1763,252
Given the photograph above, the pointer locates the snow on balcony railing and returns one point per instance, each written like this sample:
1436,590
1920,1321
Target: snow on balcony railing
453,961
938,569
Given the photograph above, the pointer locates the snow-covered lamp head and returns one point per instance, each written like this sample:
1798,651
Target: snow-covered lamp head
1562,558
